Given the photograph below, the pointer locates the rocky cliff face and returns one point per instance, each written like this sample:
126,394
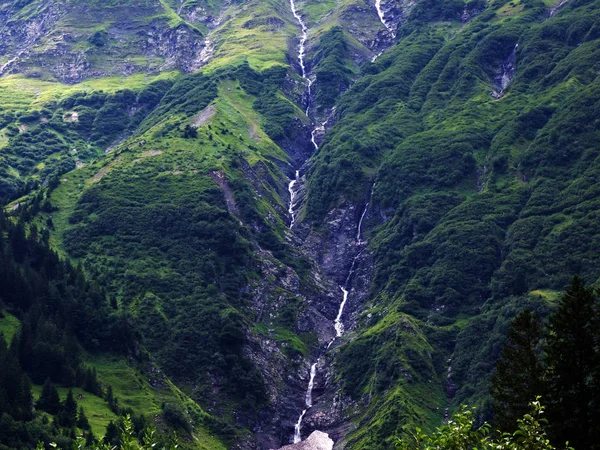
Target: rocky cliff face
62,40
345,259
316,441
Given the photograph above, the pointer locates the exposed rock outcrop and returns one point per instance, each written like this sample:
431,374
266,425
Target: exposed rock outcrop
316,441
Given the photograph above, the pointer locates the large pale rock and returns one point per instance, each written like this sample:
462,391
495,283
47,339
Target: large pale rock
316,441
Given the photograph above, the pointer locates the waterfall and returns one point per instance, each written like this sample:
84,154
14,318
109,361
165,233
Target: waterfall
338,324
505,74
316,131
381,15
307,402
362,217
293,199
303,39
301,54
297,427
508,69
311,384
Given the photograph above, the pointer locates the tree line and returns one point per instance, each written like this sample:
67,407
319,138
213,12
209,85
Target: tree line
61,314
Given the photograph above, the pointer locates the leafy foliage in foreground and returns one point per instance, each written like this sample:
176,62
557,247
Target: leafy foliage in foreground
461,433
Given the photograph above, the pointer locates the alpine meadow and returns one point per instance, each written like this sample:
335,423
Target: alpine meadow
300,224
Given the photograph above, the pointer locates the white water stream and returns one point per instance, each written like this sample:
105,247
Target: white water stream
309,82
385,23
293,199
381,15
302,51
338,324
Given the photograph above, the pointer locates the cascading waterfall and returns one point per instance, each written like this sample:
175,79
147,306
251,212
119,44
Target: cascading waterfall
508,69
319,128
302,51
381,15
293,199
360,223
505,74
385,23
307,402
316,130
338,324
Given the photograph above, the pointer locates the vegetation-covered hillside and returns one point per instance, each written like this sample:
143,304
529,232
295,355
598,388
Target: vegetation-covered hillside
445,159
484,196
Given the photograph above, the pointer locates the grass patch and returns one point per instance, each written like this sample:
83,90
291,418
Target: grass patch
96,409
548,295
9,325
19,92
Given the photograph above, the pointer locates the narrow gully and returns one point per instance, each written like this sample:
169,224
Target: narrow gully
292,188
319,128
338,325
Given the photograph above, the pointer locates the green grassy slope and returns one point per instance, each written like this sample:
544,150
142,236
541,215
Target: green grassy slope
168,223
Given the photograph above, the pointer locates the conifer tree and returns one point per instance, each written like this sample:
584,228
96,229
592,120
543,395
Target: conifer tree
572,358
15,387
519,371
82,420
18,241
49,400
112,434
68,411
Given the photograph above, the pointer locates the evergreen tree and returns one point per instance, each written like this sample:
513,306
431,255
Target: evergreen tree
113,402
112,434
572,358
68,412
90,382
519,372
18,241
82,420
15,388
49,400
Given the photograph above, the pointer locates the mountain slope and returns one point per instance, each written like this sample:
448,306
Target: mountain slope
475,205
439,187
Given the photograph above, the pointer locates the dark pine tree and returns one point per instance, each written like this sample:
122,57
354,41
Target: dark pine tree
49,400
18,242
519,371
572,359
68,411
82,420
111,437
90,382
15,387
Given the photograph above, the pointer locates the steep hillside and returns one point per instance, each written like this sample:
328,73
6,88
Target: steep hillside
309,216
478,143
